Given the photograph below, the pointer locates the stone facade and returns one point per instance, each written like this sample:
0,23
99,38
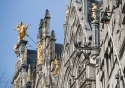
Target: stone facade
77,70
88,58
41,61
108,72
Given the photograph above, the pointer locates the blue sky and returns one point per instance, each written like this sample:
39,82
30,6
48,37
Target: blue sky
27,11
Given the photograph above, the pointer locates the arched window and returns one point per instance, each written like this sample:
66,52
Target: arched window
79,33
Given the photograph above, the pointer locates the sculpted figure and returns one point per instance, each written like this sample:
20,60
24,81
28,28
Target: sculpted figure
56,62
39,53
94,11
21,31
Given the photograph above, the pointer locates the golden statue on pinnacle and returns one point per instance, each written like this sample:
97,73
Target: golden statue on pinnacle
21,31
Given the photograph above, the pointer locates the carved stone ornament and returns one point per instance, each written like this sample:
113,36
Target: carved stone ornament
39,52
56,62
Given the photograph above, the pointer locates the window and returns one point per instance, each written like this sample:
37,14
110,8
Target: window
102,80
123,10
123,22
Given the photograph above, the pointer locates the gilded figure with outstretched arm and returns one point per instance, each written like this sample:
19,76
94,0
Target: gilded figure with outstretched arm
21,31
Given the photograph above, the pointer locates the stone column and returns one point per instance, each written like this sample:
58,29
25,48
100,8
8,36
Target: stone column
95,35
84,10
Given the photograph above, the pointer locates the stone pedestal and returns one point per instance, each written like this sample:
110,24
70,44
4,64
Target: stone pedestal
95,39
95,33
21,48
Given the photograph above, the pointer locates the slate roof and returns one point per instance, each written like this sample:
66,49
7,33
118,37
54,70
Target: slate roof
31,56
58,48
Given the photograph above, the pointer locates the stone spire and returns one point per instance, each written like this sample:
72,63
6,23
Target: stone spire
53,34
46,24
47,13
29,74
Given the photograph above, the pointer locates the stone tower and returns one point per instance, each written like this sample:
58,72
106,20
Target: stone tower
21,78
36,69
44,75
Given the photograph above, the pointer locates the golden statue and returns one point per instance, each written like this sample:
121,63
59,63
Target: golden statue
56,62
67,12
21,31
39,52
94,9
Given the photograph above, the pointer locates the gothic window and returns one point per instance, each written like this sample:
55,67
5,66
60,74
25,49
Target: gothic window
110,61
102,80
21,84
73,11
106,56
77,22
69,83
78,75
79,33
67,51
72,44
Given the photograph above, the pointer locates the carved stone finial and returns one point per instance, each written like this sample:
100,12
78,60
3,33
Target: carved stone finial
53,34
47,13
